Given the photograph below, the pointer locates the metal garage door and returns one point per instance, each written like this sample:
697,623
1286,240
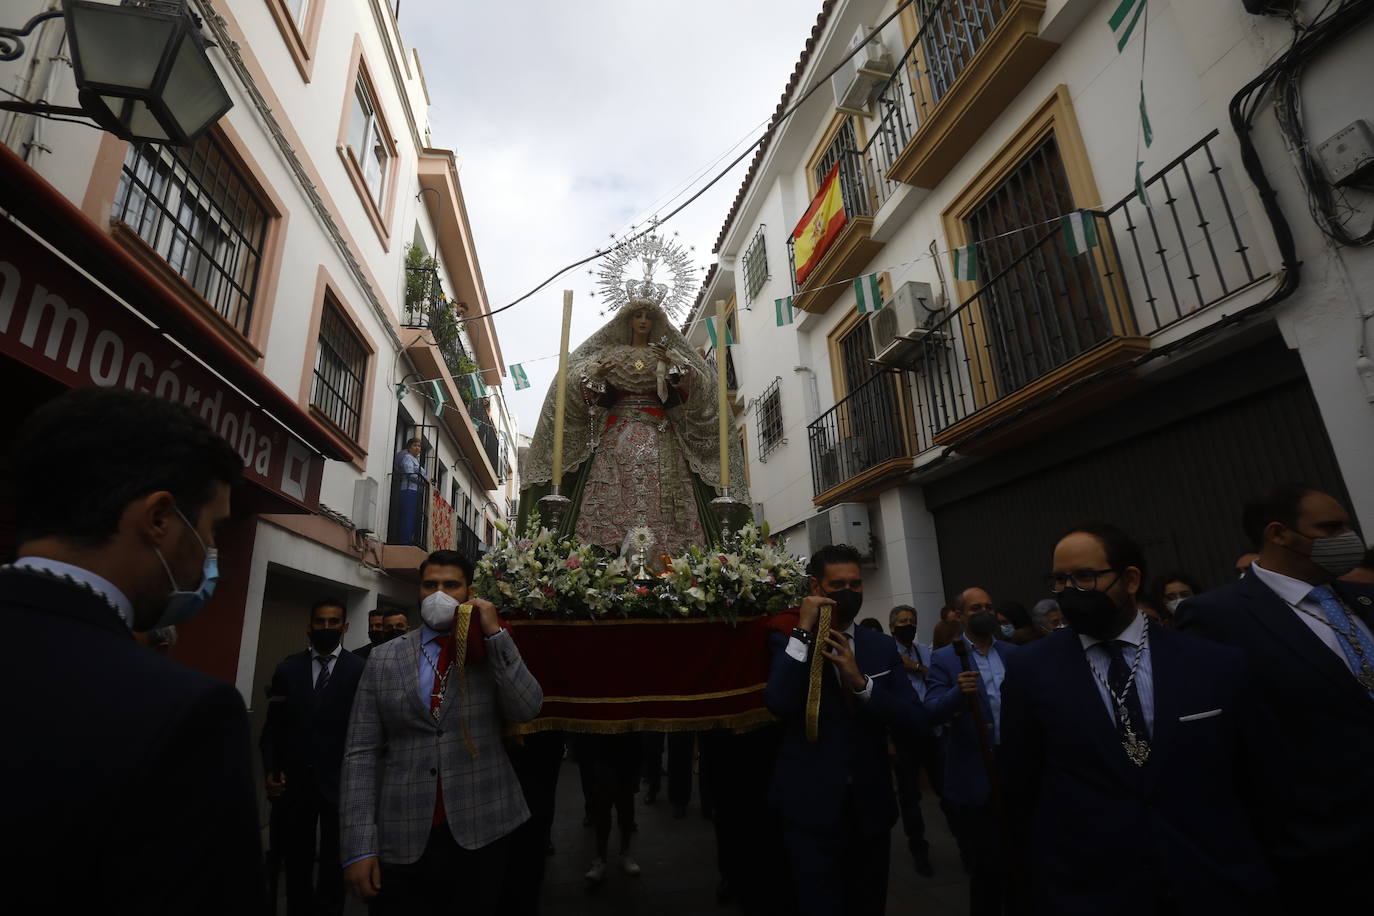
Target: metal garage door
1178,488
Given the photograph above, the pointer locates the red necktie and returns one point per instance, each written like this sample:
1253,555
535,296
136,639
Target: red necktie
435,702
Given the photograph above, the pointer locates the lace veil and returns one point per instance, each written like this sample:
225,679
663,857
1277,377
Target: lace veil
695,423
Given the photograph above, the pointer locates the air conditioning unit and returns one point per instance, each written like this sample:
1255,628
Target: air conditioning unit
818,531
364,515
853,84
848,523
898,328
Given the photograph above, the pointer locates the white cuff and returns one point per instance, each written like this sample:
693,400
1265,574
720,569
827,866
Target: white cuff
796,649
867,691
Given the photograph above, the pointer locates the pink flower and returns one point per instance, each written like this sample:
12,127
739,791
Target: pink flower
641,590
722,559
574,562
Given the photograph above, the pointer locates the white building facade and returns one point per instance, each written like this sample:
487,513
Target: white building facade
1201,350
319,231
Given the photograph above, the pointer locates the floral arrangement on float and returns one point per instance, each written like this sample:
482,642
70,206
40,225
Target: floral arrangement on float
537,575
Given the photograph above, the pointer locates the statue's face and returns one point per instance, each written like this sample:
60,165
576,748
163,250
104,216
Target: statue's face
642,323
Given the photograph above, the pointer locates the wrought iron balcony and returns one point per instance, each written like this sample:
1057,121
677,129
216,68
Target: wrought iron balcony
487,433
863,436
1049,318
408,523
422,296
469,544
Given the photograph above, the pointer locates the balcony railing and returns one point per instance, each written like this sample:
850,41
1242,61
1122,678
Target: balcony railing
486,431
422,296
860,433
409,515
1152,268
855,190
469,544
951,34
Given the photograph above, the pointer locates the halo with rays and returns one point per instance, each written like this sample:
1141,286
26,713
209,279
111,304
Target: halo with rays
651,256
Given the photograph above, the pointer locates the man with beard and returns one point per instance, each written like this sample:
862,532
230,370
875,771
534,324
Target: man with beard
1131,752
309,699
835,794
1309,638
965,690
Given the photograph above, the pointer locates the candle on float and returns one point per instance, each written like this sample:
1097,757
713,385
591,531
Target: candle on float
722,398
561,393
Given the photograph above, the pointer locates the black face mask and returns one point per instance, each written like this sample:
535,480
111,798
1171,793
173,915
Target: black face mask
377,636
388,635
1091,613
905,634
325,641
847,604
982,625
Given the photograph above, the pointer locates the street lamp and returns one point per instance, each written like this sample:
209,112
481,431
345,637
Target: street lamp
141,69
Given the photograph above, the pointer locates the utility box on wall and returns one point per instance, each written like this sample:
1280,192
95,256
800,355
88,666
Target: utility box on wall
849,525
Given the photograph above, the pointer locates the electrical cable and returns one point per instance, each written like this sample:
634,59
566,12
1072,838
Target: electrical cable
773,125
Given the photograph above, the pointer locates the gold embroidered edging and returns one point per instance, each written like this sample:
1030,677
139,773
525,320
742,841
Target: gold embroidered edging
667,698
462,622
633,621
735,722
813,687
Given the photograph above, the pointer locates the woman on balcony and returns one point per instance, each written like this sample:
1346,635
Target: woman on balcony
641,442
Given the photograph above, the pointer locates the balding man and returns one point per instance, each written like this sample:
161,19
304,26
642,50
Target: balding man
973,601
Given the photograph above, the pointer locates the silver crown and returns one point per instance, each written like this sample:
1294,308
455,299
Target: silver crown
645,292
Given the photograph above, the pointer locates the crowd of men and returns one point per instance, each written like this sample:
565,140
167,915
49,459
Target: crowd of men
1121,748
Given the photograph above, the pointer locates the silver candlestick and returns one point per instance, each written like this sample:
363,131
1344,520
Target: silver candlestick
553,508
732,513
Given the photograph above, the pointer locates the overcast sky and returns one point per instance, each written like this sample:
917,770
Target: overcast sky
573,119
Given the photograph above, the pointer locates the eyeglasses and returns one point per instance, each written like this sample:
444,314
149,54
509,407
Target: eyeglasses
1085,580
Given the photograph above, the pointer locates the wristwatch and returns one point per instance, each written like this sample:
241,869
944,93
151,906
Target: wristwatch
803,635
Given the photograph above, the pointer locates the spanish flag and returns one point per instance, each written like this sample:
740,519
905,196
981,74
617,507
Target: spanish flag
820,226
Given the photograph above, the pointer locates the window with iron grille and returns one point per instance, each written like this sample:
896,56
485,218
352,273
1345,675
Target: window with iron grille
340,366
367,140
952,34
755,265
770,419
197,210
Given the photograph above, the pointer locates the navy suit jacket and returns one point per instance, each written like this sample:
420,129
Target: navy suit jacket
966,775
1106,836
304,733
812,779
1324,744
130,775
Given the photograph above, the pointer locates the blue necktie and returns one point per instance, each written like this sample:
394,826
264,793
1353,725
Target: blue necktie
323,677
1343,625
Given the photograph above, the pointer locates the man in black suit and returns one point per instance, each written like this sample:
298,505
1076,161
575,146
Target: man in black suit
835,794
1129,752
310,697
99,724
1308,640
389,625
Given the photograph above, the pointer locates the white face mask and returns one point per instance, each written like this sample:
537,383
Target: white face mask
1173,605
437,611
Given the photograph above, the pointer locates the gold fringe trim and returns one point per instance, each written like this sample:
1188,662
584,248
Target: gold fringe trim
672,698
735,722
813,687
462,622
633,621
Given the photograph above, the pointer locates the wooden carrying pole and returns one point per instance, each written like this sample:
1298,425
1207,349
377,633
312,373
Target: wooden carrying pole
561,396
722,398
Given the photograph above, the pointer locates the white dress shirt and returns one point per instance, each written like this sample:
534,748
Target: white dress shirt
1101,662
315,661
1295,593
797,649
992,671
920,654
99,583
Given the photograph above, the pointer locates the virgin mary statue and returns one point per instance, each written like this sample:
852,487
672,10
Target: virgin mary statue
641,442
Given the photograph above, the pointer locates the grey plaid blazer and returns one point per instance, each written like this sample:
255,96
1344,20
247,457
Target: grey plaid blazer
395,749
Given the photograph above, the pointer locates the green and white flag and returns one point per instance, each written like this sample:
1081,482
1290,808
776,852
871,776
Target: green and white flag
867,296
782,309
517,373
966,263
1080,231
473,382
1145,130
711,332
1140,191
440,399
1122,22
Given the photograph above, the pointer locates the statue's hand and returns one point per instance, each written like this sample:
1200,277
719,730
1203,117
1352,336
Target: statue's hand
661,352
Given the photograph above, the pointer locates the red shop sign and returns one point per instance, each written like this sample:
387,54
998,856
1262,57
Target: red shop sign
53,319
